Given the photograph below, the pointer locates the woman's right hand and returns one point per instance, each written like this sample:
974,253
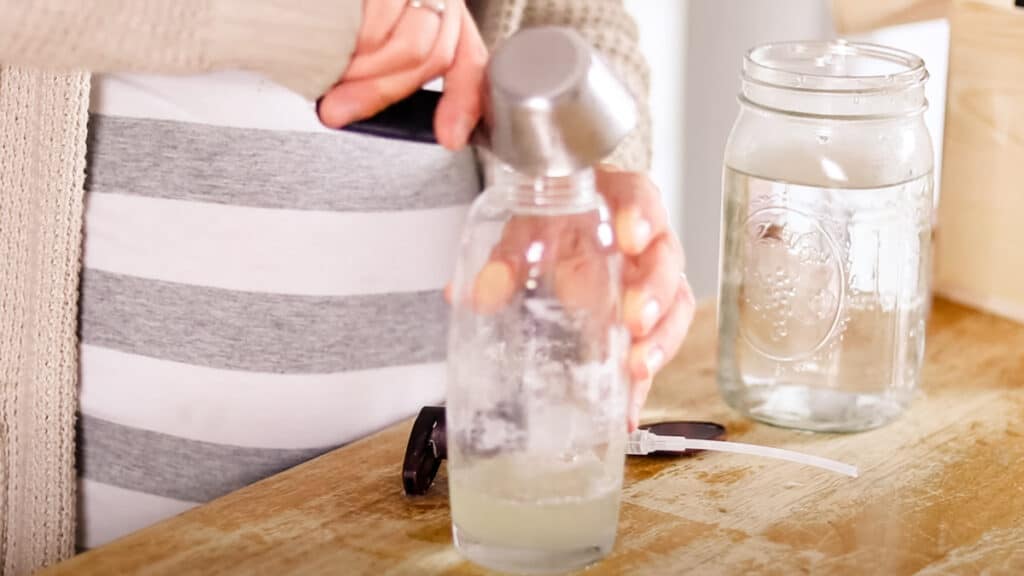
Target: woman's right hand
402,45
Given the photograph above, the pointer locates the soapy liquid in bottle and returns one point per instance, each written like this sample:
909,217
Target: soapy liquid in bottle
501,524
536,403
535,472
823,301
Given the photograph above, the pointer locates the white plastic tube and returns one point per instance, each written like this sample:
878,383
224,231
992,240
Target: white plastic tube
643,442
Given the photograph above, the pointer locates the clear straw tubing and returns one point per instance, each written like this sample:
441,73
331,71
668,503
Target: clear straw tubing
643,442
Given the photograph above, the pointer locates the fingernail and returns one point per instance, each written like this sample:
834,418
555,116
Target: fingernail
641,232
634,416
654,358
340,112
651,313
493,287
634,231
640,311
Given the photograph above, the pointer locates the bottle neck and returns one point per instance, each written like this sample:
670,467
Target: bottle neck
576,190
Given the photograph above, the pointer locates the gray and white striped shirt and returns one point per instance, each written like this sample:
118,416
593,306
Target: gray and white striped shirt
256,290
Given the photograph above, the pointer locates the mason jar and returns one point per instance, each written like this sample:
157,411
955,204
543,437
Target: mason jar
827,217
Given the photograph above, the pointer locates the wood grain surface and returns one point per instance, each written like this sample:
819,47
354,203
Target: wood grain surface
941,491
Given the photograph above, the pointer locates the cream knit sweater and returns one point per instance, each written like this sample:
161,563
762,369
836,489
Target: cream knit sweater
44,47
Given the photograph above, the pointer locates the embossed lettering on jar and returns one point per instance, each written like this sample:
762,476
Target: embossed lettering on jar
826,236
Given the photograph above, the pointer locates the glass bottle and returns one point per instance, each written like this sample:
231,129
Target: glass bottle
537,388
537,381
826,236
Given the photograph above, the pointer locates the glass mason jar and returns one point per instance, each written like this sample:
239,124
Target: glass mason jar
536,385
826,236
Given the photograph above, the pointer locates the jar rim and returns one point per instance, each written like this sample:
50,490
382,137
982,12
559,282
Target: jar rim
836,66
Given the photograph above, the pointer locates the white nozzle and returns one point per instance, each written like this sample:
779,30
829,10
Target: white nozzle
643,442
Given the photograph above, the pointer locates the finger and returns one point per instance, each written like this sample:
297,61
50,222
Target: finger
582,283
494,287
459,108
637,398
522,231
497,282
447,40
379,20
637,207
544,254
651,284
648,355
525,242
355,100
409,45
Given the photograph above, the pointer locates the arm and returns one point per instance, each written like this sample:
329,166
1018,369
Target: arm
611,30
302,44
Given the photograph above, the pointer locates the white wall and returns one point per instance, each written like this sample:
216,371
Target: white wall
662,26
719,34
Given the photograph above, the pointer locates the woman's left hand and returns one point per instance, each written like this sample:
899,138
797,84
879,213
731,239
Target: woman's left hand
658,304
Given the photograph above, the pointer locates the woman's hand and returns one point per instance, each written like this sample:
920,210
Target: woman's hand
657,304
402,45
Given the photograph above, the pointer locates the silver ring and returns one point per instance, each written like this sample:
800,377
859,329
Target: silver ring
437,6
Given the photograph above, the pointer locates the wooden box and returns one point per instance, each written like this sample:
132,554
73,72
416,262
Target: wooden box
979,235
979,251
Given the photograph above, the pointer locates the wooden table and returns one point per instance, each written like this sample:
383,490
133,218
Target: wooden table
941,491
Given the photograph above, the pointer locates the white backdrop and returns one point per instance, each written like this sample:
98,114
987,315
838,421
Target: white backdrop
662,38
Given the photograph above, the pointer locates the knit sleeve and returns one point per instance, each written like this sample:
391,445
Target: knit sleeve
302,44
612,31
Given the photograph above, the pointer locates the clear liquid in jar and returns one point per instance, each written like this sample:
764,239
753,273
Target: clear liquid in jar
824,296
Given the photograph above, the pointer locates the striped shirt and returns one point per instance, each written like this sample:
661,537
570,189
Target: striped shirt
256,290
